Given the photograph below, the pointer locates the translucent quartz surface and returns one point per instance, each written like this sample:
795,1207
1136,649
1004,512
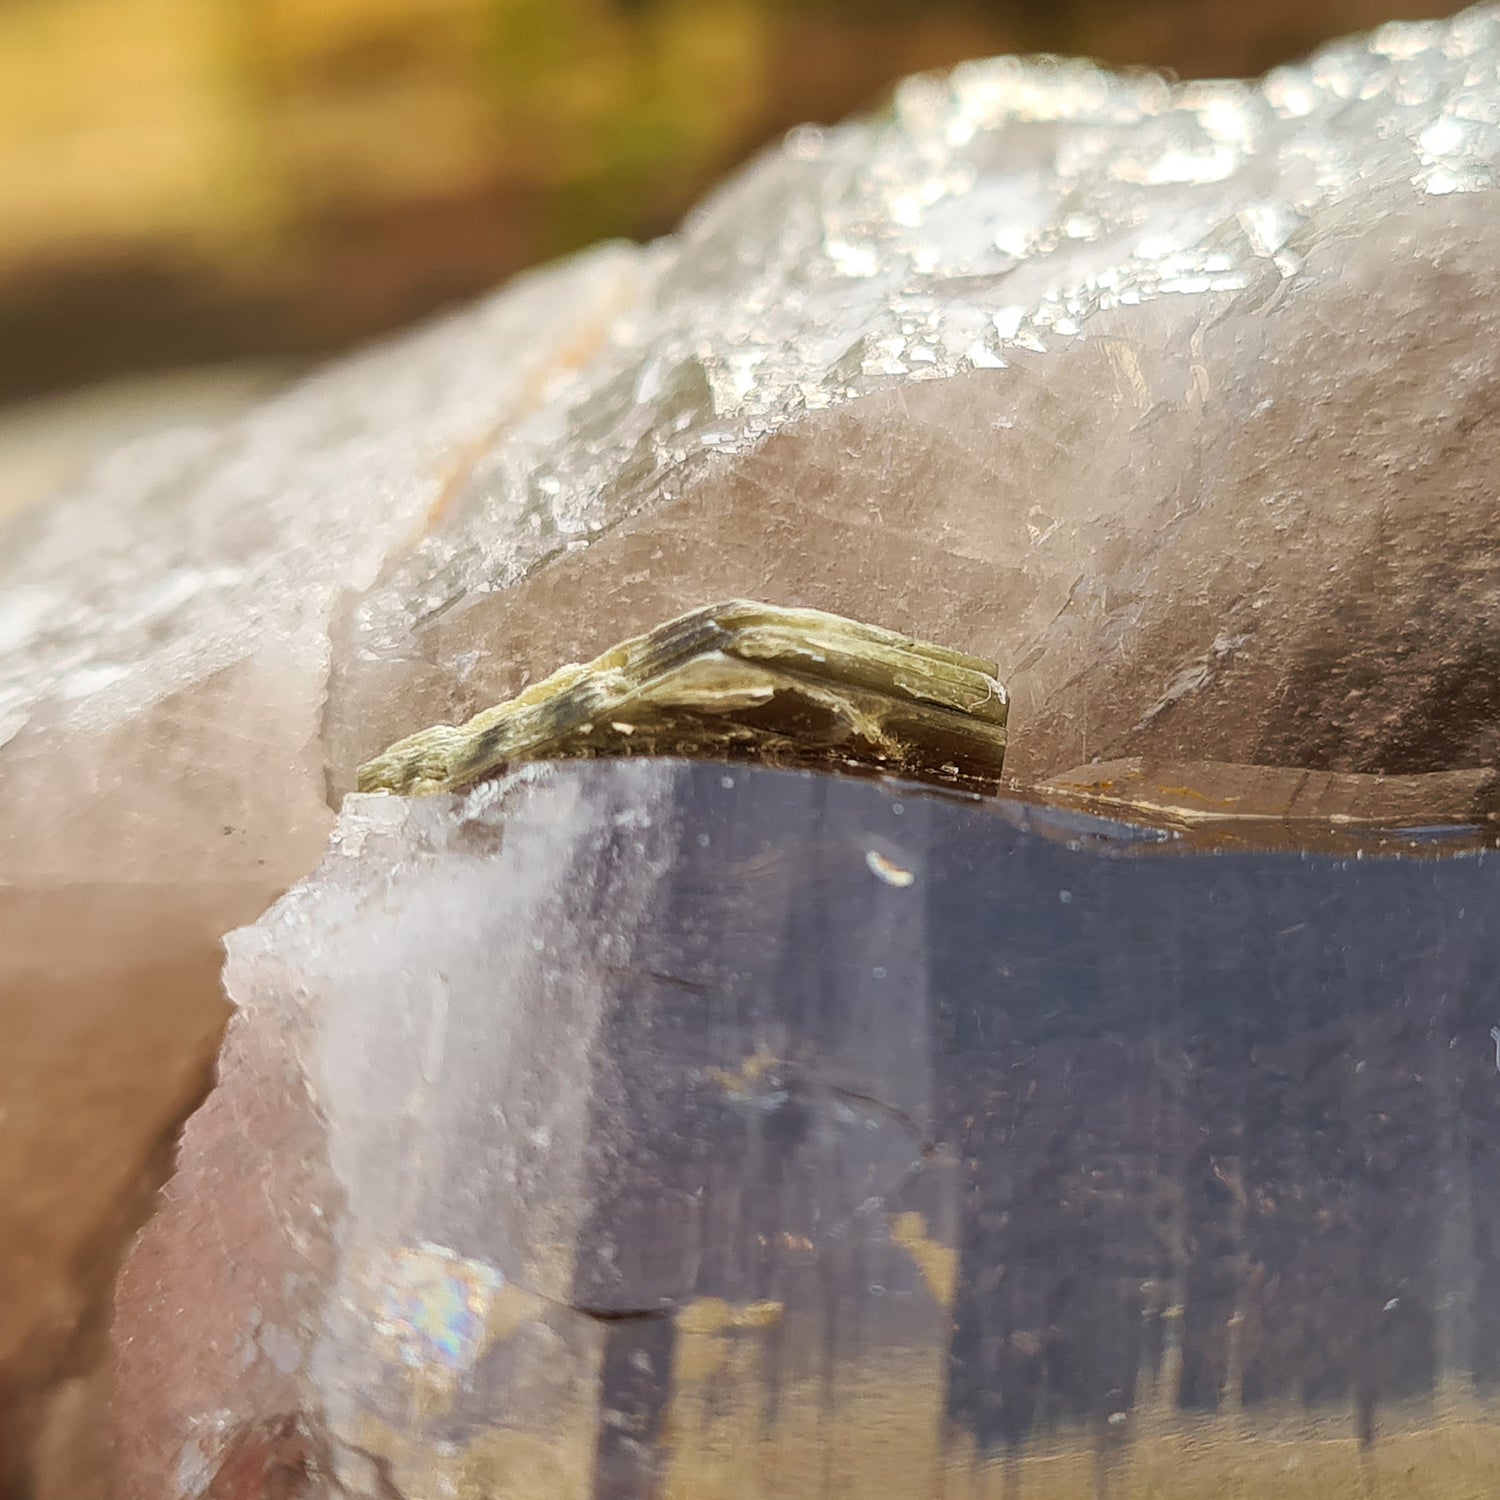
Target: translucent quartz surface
661,1129
164,650
1177,401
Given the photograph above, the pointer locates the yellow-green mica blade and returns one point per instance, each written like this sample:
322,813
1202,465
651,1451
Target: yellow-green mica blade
739,680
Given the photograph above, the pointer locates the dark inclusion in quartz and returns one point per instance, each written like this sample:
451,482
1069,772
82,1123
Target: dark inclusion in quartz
659,1129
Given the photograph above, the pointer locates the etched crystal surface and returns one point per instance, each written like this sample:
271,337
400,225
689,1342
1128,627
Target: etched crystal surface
1159,394
1177,401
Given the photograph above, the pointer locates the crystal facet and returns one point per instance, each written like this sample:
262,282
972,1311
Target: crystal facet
650,1128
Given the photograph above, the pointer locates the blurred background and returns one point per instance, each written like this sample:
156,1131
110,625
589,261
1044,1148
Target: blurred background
197,197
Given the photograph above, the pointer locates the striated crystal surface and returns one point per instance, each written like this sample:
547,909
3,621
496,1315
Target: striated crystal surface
648,1128
1176,401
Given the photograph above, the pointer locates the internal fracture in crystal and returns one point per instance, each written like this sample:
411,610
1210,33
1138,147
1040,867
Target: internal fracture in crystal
632,1128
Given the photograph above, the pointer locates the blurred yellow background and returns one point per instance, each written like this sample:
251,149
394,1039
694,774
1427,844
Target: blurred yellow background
192,180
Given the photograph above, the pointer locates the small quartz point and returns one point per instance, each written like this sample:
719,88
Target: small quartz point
663,1130
741,681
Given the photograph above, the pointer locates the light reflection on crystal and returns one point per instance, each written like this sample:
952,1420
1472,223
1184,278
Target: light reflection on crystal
432,1305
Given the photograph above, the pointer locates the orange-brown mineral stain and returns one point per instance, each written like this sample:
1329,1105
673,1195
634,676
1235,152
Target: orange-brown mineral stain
276,1459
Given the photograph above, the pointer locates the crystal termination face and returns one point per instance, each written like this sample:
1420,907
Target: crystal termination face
742,680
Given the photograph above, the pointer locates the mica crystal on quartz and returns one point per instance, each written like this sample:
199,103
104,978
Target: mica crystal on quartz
1177,401
735,681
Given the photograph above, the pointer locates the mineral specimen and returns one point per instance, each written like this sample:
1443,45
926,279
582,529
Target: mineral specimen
643,1128
735,681
1178,401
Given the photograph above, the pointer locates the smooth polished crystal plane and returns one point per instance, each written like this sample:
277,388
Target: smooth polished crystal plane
650,1129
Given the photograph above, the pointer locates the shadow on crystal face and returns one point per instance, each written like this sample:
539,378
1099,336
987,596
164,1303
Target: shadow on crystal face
724,1130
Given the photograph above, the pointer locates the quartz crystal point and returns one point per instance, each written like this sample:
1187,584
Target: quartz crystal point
1177,401
631,1129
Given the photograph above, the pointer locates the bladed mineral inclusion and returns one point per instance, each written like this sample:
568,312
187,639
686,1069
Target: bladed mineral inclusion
740,680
